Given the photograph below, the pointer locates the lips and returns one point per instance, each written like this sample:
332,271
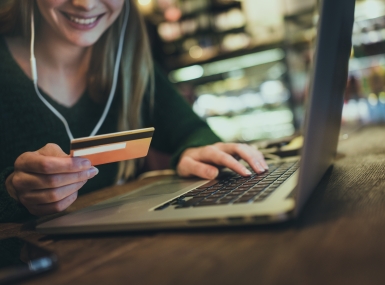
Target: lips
82,22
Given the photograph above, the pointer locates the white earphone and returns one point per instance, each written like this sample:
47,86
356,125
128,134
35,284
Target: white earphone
114,81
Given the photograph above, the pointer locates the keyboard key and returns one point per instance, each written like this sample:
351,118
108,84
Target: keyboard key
210,191
223,191
216,187
255,179
268,179
261,186
203,195
217,195
209,199
244,179
249,194
264,184
250,184
238,192
227,188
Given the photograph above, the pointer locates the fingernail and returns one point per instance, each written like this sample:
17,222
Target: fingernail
247,172
259,166
92,172
86,164
265,165
212,173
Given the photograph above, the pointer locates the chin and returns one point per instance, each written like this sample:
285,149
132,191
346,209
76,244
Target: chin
84,41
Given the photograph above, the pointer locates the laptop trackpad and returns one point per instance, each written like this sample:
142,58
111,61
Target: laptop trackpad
166,186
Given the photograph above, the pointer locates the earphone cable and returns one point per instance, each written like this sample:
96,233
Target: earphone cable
114,80
116,72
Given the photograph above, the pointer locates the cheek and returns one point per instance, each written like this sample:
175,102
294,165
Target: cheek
50,4
115,6
47,8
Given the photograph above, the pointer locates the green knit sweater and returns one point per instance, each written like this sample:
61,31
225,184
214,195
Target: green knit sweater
26,124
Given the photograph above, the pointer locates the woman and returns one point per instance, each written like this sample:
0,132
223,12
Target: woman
75,48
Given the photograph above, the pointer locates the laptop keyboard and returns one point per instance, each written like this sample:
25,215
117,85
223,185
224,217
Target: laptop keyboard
236,189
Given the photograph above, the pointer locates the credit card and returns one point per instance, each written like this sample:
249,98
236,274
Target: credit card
113,147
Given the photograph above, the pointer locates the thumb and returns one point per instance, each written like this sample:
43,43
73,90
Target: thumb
52,149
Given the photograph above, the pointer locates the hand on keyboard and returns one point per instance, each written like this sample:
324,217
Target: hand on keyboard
204,161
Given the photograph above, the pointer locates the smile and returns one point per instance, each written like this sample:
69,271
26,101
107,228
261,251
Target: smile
83,21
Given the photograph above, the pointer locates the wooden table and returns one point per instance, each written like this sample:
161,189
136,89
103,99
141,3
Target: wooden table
339,238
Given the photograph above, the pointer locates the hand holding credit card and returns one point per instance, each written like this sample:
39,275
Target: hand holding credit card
113,147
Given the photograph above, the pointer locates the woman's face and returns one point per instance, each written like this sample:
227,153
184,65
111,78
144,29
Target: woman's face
80,22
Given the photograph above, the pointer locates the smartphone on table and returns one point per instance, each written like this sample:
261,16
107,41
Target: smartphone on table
20,259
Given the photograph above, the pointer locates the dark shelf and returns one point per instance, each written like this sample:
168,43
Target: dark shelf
205,32
174,62
213,8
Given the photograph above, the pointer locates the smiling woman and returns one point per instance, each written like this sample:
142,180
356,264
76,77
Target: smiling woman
84,54
77,49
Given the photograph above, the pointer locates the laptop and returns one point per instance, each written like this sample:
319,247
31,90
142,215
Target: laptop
275,196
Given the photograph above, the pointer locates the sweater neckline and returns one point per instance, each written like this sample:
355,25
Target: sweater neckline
23,75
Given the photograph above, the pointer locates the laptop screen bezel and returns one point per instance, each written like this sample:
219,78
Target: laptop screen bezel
327,85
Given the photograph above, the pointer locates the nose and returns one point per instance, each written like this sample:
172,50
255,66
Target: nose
86,5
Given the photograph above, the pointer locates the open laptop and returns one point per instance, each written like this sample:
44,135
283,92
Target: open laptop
275,196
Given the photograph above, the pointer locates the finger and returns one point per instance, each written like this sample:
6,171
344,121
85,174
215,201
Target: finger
52,149
34,162
52,208
260,154
235,148
212,154
253,157
47,196
23,181
190,167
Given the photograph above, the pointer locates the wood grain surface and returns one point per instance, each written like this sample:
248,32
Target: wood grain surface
338,239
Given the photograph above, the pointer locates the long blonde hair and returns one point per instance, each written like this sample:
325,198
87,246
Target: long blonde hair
136,74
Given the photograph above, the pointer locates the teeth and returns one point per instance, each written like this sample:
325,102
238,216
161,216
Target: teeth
83,21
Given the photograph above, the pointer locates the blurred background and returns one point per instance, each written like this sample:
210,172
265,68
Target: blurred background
244,66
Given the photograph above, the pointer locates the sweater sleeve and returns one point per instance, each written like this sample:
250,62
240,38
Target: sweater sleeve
10,210
177,127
